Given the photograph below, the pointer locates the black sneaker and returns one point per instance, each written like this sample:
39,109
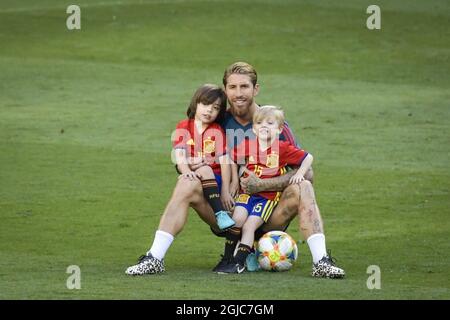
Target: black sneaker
326,268
220,233
222,263
146,265
233,267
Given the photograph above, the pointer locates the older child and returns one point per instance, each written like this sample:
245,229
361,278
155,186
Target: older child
201,137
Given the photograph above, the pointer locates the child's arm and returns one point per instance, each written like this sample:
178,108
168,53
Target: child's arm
225,168
234,184
182,164
299,175
234,181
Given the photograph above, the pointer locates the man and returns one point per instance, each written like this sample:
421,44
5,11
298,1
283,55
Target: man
241,87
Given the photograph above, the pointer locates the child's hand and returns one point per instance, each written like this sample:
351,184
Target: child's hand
296,178
227,201
234,188
196,162
191,175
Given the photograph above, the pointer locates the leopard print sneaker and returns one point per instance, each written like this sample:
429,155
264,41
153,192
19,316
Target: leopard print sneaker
146,265
326,268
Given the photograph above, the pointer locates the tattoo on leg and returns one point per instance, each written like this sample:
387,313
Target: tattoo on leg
316,226
310,215
310,193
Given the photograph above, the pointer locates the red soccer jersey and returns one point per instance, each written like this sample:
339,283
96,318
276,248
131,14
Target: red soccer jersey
210,144
268,163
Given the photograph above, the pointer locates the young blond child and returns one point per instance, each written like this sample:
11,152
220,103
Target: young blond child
267,157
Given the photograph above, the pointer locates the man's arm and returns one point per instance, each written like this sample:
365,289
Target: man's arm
252,184
225,171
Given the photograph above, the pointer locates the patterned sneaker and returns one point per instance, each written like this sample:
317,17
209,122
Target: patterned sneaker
326,268
224,221
146,265
252,263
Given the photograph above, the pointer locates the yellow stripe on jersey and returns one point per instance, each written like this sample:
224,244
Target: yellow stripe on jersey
273,204
264,211
268,209
277,197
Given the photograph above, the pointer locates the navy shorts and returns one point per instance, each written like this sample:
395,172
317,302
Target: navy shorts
219,181
257,205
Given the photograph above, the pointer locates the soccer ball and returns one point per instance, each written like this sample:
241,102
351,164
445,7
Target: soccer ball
276,251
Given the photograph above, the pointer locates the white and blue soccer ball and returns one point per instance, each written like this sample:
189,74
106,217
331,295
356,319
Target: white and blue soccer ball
276,251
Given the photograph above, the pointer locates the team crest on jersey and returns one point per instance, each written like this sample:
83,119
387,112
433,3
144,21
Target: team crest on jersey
209,146
272,160
243,198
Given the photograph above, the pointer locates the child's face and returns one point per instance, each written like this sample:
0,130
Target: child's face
266,128
207,113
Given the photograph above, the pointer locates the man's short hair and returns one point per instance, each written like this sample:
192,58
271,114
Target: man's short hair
240,68
267,111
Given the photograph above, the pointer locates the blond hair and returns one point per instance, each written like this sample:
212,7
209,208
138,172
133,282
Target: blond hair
264,112
241,68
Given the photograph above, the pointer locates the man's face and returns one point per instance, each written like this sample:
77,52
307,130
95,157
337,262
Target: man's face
240,93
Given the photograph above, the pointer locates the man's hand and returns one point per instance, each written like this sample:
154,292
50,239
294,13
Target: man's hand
250,185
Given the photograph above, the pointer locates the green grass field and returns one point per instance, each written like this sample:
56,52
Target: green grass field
86,118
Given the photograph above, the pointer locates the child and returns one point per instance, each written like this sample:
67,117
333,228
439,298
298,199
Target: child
201,137
267,157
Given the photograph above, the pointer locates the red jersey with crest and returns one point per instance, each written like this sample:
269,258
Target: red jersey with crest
268,163
210,144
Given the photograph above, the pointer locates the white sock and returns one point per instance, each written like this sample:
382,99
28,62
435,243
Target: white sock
317,246
161,244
